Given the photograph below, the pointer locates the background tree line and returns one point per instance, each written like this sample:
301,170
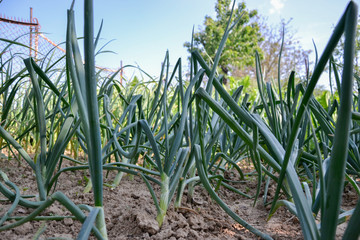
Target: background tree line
251,34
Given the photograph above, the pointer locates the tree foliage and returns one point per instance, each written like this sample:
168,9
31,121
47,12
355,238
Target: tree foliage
242,43
293,56
251,34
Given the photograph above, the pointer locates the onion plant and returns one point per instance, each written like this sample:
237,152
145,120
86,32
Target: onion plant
50,152
282,134
176,133
85,86
162,137
62,114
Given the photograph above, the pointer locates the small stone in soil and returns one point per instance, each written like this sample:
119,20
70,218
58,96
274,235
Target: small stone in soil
23,229
181,233
164,234
146,223
68,221
196,222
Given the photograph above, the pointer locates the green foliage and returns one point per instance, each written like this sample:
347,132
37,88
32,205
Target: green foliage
249,87
240,45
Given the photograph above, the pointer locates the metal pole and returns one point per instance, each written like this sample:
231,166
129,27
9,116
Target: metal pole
31,30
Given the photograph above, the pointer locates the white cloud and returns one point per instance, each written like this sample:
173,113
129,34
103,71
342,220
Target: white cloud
276,6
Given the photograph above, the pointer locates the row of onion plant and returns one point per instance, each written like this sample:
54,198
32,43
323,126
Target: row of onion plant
177,134
286,125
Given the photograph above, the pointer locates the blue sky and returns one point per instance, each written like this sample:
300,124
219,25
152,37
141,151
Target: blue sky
142,30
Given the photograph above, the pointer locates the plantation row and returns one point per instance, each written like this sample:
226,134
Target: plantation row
176,133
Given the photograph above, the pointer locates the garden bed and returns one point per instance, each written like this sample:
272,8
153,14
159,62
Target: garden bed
130,212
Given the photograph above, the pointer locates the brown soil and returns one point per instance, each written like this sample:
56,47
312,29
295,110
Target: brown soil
130,212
